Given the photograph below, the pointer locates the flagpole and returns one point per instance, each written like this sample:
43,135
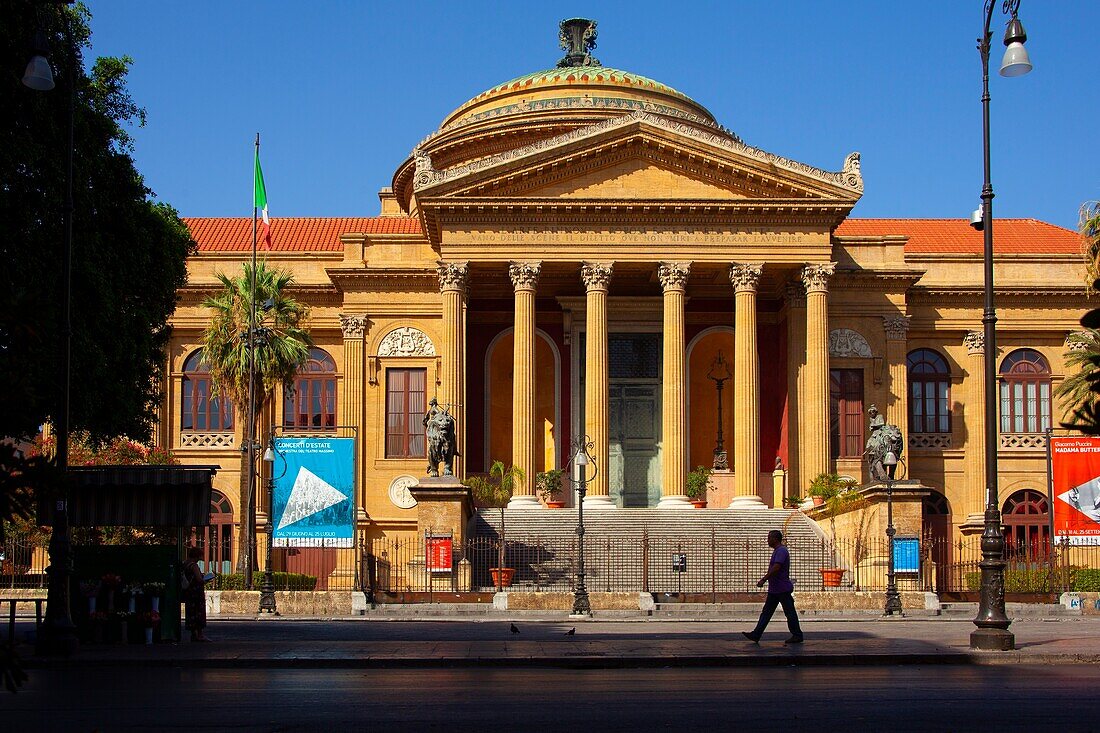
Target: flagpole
250,442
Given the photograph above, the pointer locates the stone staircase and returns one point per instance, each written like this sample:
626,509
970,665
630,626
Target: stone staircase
633,550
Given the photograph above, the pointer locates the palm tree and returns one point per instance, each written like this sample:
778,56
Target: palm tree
1078,391
280,345
494,492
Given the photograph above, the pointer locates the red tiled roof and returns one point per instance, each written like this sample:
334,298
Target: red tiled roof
298,234
945,236
955,236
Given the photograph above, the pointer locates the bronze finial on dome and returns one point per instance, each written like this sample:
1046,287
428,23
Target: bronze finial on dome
578,37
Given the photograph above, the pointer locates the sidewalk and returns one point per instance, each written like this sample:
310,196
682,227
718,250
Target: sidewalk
601,643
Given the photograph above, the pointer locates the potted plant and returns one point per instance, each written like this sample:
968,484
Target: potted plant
792,502
549,487
836,494
98,620
698,482
149,621
493,492
154,591
90,589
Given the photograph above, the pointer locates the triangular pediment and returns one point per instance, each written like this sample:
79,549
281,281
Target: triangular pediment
639,157
633,177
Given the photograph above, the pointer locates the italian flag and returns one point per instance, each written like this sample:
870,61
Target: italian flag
260,201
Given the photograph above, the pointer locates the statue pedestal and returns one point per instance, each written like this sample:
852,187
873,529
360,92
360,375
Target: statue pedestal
442,504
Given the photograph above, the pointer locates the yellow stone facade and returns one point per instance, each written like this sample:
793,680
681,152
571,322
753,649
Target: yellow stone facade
568,254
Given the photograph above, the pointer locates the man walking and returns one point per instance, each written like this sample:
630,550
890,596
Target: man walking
780,589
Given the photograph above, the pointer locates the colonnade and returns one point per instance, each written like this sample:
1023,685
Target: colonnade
812,387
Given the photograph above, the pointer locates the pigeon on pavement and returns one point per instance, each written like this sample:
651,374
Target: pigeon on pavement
515,629
571,631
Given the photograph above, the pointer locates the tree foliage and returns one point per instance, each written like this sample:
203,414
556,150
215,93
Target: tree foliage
281,344
128,250
1081,388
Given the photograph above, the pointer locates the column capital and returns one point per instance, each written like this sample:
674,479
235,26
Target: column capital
816,277
673,275
596,275
897,327
453,275
975,342
354,326
525,275
795,293
745,276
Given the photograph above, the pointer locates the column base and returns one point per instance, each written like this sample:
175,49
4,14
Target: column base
675,501
524,502
993,640
747,502
974,524
599,502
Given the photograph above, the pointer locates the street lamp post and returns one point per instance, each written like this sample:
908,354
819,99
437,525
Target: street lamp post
578,466
719,372
58,634
992,632
893,599
267,586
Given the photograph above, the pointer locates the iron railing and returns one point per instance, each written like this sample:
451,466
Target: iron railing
702,564
711,565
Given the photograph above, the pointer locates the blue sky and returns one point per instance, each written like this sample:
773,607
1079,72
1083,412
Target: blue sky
341,91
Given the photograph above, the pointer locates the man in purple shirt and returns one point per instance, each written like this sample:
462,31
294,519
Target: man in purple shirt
780,589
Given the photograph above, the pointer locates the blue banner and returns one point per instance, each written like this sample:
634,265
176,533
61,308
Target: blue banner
906,555
314,502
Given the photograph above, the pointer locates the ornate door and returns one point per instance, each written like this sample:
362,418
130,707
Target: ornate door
634,437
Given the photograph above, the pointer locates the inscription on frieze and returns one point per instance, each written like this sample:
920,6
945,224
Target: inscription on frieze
634,238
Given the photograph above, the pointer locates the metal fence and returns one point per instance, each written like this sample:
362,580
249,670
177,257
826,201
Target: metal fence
711,565
23,561
700,564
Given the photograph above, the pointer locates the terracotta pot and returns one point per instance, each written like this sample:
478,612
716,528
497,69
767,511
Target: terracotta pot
819,501
830,577
699,503
502,577
555,504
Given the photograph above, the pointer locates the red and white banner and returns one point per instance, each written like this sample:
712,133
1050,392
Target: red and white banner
1075,471
439,553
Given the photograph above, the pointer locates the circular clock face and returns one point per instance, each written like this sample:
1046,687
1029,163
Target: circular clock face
400,495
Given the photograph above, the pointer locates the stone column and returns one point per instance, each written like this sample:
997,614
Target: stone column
453,277
525,278
897,403
974,455
596,276
352,401
813,434
796,385
673,276
746,389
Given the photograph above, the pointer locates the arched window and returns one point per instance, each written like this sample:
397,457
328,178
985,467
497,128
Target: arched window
311,404
201,411
1026,518
1025,392
929,392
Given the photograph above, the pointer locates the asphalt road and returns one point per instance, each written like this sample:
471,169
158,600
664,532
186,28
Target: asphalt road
850,699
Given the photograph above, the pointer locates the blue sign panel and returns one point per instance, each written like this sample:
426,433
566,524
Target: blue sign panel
906,555
314,502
